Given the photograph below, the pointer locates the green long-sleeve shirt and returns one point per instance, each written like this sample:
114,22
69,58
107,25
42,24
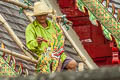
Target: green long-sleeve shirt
35,30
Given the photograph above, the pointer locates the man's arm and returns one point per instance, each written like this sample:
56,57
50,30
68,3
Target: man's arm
31,41
40,39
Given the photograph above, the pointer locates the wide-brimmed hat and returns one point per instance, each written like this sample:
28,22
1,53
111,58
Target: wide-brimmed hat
40,8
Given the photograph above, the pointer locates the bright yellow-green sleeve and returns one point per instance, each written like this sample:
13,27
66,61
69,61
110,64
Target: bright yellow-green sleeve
31,41
63,57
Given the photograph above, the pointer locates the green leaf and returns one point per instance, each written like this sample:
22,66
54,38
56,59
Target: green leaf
100,1
118,43
92,19
106,33
13,65
8,58
80,6
20,70
28,2
21,10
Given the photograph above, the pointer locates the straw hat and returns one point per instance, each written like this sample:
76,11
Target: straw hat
40,8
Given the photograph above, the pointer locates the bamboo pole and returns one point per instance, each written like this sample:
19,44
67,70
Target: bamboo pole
13,35
20,4
18,55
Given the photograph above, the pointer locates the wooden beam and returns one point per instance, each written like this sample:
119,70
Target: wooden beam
18,55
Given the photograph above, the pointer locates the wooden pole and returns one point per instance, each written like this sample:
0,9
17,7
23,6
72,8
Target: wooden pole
19,55
13,35
20,4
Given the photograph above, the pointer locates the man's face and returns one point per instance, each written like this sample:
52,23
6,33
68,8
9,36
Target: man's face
42,18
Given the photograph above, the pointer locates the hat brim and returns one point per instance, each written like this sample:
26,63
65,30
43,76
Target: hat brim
38,14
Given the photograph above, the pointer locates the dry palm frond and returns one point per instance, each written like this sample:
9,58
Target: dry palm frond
107,3
113,9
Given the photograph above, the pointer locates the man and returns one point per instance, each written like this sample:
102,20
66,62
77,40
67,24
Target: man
46,39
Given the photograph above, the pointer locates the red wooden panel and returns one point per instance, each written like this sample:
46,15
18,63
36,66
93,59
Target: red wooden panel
83,31
97,35
80,20
72,12
66,3
96,51
103,61
99,48
100,61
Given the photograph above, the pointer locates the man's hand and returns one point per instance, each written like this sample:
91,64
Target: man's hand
59,19
40,39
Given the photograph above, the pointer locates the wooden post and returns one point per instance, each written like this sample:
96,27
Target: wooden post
81,66
13,35
18,55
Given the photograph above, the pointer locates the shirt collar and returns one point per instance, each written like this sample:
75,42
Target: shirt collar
36,24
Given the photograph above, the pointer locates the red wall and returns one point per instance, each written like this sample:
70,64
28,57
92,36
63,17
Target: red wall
99,48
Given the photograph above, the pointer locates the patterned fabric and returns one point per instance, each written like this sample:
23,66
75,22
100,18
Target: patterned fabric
98,12
5,69
47,64
48,52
